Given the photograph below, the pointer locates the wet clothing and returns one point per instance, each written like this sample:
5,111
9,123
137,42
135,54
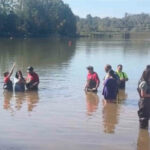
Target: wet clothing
8,84
110,89
33,79
19,86
93,80
122,75
144,105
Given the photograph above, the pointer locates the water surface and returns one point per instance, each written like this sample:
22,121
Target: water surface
61,115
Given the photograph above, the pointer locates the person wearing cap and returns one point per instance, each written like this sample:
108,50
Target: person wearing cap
93,81
32,80
122,76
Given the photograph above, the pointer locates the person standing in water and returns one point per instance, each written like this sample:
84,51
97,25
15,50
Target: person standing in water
7,82
19,82
122,76
110,88
144,103
107,69
93,81
32,80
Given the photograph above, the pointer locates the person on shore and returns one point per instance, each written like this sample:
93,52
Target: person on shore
93,80
110,88
7,82
144,103
19,82
32,80
122,76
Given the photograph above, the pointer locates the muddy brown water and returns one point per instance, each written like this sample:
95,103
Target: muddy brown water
60,115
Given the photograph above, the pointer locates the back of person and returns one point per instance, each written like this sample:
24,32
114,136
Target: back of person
8,84
110,89
146,87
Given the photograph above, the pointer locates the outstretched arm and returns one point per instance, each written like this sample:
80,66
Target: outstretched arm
11,71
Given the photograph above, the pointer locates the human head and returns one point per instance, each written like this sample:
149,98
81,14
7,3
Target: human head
18,74
119,67
146,75
107,68
90,69
111,73
147,67
6,74
30,69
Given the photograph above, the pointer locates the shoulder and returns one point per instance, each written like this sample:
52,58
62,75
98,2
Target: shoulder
6,79
96,74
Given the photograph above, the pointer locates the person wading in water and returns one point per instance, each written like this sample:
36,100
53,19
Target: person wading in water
93,81
122,76
8,85
32,80
144,103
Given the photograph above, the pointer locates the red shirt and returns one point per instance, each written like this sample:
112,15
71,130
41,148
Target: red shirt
93,77
33,77
6,79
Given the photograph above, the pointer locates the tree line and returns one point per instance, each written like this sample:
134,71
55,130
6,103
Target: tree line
37,18
129,23
29,18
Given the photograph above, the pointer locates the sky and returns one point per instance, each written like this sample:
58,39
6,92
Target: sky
108,8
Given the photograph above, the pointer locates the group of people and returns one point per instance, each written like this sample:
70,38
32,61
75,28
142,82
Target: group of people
20,83
113,81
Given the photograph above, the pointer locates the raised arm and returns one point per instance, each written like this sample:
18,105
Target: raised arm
11,71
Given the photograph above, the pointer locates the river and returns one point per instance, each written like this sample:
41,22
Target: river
60,115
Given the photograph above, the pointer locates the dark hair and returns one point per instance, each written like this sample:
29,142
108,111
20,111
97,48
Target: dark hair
30,68
112,73
146,75
5,74
147,67
90,68
17,74
108,66
120,65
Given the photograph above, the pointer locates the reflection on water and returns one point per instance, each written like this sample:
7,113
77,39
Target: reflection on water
38,52
32,100
143,142
122,96
7,100
92,101
19,98
110,117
